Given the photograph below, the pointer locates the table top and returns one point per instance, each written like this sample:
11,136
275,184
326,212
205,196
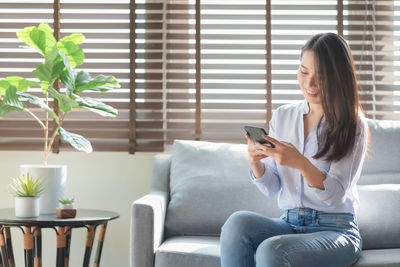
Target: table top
83,217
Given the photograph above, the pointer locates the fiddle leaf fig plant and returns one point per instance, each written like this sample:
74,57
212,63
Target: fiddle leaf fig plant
60,59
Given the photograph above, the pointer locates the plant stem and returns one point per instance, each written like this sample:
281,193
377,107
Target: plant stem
46,133
36,118
53,136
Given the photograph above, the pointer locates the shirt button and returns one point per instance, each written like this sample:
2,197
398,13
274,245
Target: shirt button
297,188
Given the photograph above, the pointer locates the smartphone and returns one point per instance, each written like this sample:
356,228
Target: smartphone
257,135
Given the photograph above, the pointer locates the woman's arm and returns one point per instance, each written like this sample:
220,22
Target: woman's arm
330,186
285,154
254,156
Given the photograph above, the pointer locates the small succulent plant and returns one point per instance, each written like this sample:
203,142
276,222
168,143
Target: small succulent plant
66,201
26,186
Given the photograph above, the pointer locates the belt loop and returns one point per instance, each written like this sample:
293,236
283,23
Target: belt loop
314,216
287,215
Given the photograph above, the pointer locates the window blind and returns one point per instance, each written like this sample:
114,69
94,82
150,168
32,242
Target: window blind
233,68
372,29
199,69
106,47
18,130
166,68
293,23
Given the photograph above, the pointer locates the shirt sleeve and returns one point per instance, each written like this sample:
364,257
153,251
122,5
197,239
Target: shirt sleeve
343,174
270,183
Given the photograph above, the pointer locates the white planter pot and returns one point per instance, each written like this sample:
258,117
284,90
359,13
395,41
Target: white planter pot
54,180
66,206
27,206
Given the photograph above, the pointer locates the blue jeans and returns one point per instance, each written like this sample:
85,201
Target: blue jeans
301,237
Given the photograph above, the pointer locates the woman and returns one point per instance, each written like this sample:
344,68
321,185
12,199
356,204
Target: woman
320,144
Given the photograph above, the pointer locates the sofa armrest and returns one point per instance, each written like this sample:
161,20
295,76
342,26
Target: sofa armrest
147,227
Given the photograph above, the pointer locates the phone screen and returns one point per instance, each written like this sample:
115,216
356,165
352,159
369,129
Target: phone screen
257,135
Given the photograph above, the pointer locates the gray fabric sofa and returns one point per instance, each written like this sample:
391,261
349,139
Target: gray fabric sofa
197,187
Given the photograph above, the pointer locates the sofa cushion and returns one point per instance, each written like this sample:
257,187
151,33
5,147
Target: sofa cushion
195,251
379,178
209,181
383,153
379,216
379,258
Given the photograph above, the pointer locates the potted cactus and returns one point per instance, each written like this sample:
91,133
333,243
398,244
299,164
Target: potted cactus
60,59
27,190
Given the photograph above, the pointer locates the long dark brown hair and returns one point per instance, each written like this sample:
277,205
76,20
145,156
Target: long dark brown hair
337,81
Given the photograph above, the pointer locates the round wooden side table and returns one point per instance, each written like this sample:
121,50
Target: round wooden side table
31,229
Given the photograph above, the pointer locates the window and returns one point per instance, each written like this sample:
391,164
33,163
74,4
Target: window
199,69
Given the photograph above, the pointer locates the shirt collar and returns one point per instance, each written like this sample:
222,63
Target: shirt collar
304,107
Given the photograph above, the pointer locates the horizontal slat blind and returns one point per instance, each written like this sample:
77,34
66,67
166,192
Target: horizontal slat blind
19,130
293,23
106,28
372,28
233,69
165,71
180,70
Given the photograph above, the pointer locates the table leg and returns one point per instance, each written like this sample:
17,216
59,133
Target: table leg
37,240
28,247
100,244
67,245
89,244
61,244
3,250
10,254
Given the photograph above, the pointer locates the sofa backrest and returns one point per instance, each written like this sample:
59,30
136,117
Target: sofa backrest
382,163
209,181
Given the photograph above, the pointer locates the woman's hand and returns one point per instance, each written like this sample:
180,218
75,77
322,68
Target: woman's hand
284,153
254,152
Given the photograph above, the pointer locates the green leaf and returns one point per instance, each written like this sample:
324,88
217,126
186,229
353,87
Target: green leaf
67,77
72,51
79,81
76,140
11,102
76,38
26,186
96,106
99,83
38,102
65,103
11,98
5,109
20,83
3,87
48,72
41,37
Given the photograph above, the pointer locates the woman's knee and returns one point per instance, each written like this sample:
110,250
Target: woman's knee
272,252
237,225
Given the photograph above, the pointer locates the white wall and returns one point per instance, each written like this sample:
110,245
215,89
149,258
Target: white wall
101,180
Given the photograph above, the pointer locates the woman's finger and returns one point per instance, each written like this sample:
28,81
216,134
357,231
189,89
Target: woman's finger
264,149
272,140
287,144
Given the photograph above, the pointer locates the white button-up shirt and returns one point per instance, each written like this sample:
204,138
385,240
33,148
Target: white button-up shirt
340,193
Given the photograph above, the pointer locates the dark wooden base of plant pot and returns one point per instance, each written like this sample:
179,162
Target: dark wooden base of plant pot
65,213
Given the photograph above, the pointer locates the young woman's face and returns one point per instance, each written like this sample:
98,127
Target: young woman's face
306,76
